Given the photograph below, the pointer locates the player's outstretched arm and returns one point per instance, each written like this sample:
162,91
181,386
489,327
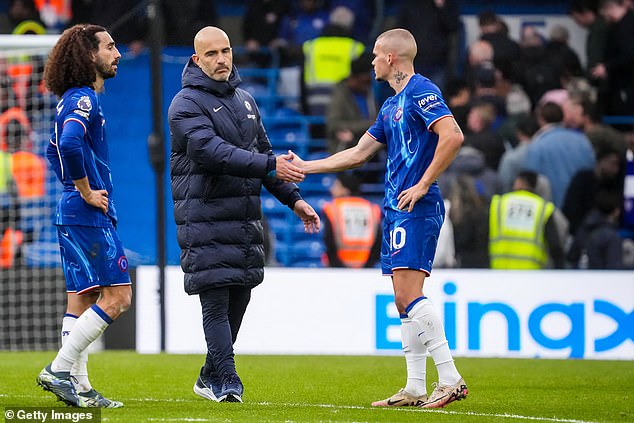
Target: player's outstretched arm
350,158
450,140
308,215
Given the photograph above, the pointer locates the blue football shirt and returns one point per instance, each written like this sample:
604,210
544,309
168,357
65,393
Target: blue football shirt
79,148
403,125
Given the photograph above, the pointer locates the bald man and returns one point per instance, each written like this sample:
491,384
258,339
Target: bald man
422,139
220,159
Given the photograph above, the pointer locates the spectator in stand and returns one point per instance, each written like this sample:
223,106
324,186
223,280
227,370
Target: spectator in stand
618,65
10,235
480,55
558,50
125,20
352,226
506,52
458,94
435,25
517,100
537,71
586,184
580,112
557,152
261,26
523,230
518,104
469,216
54,13
485,89
368,15
183,19
304,23
470,161
352,109
24,18
327,60
513,160
481,136
584,13
598,244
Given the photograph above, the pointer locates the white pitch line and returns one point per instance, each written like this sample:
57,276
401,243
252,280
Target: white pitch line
389,409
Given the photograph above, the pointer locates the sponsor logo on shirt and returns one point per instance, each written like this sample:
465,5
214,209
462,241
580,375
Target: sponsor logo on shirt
429,101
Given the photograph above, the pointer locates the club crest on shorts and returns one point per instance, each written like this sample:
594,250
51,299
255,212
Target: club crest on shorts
123,263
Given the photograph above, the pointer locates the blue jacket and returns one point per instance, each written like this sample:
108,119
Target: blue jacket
220,156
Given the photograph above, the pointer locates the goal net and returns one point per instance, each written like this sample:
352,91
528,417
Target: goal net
32,289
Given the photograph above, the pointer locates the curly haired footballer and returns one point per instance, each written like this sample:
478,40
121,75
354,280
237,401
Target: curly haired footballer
70,63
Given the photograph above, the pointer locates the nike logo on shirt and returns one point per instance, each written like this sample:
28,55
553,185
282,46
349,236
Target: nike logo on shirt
216,109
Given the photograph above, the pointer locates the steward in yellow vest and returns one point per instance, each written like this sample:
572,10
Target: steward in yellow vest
522,234
327,59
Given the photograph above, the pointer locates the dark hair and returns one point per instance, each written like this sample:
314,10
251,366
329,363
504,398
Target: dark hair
455,86
527,125
603,150
551,112
361,65
606,201
70,63
591,110
605,3
350,181
529,177
487,17
582,6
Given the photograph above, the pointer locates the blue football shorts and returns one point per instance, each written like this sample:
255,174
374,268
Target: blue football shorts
410,243
91,258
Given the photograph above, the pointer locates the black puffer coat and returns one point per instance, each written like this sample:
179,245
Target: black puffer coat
220,157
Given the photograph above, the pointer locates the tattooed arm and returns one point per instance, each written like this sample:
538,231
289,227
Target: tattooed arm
449,141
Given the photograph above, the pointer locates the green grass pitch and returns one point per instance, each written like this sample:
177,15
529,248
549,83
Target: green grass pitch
158,388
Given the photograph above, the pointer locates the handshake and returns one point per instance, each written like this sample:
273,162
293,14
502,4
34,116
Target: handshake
289,167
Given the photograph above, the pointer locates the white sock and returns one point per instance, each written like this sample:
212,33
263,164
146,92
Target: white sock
415,357
432,335
87,328
79,371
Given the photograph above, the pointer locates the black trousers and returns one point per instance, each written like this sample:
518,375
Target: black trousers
223,310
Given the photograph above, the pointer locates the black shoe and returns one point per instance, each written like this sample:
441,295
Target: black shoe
208,386
232,389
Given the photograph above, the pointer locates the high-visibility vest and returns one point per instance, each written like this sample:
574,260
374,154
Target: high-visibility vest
327,59
5,171
55,12
516,230
29,172
29,27
354,223
9,244
13,113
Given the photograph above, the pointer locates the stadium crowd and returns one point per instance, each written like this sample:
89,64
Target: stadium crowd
525,103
